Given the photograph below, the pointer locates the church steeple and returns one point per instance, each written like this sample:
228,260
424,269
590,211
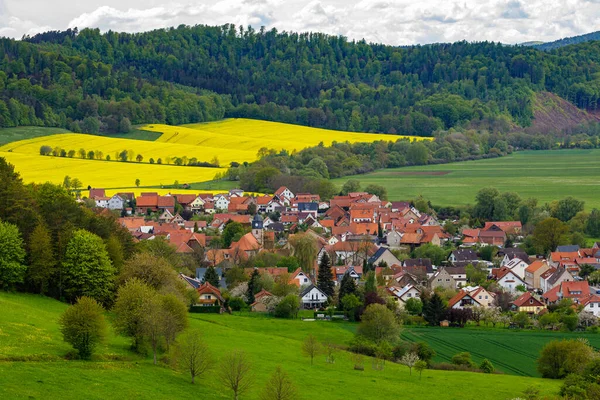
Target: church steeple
257,228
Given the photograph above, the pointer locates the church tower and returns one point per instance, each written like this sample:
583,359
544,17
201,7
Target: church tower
257,228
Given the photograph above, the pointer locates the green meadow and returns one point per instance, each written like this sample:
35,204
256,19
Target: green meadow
33,363
545,175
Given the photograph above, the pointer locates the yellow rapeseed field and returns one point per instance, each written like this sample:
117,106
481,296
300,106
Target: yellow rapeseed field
103,174
252,135
229,140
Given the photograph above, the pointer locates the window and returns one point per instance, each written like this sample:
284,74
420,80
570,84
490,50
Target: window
486,297
480,297
591,305
305,280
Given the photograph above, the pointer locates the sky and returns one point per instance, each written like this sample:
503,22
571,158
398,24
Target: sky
395,22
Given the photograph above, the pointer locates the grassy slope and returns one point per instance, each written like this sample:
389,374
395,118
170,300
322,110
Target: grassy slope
511,352
29,327
545,175
8,135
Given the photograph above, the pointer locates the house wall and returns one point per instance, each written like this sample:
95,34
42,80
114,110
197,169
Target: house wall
594,308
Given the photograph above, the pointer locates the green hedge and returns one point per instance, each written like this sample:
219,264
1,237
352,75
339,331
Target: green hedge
205,310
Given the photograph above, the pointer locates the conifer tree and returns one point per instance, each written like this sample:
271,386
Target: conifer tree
347,286
253,286
211,277
325,277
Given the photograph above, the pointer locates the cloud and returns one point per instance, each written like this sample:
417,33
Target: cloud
396,22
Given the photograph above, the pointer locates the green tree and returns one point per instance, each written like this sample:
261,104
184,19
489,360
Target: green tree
305,251
87,268
377,190
232,232
193,354
253,286
592,226
567,208
137,182
211,277
347,287
436,254
417,154
129,310
311,347
379,324
476,274
414,306
83,326
174,317
42,264
484,203
351,186
351,304
325,277
585,270
486,366
434,309
550,233
420,366
560,358
12,256
279,387
288,307
235,373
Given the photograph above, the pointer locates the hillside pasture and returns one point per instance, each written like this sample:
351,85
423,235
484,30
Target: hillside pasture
33,368
8,135
544,175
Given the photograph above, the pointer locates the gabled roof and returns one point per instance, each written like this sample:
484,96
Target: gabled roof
207,288
505,226
592,298
570,248
308,290
458,297
536,265
194,283
569,289
465,255
524,301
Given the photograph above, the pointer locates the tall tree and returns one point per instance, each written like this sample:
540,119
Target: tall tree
193,354
550,233
253,286
566,208
279,387
129,310
592,226
325,277
347,286
12,256
236,373
42,264
434,309
211,276
87,268
305,250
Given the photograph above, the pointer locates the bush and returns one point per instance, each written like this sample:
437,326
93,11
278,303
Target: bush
288,307
379,324
486,366
463,359
83,326
237,304
361,345
205,309
560,358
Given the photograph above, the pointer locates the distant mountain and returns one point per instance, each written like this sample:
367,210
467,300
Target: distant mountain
567,41
532,43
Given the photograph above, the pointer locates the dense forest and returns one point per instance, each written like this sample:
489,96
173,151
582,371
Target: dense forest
89,81
568,41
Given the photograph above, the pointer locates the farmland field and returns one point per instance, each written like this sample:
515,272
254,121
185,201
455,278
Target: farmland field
511,352
32,363
230,140
545,175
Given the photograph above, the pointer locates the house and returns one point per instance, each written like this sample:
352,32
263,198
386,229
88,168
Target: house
383,255
534,271
419,262
507,279
393,238
459,274
312,297
309,208
508,227
529,304
554,277
208,295
284,193
101,202
570,248
591,304
355,273
116,203
299,278
494,236
191,282
470,297
441,278
508,254
260,300
197,204
221,202
517,265
463,255
574,290
402,294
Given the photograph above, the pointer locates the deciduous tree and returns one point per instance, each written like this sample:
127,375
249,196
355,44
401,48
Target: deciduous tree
279,387
311,347
83,326
193,354
236,373
12,256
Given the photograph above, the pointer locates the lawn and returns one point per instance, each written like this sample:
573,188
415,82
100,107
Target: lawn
8,135
511,352
545,175
29,328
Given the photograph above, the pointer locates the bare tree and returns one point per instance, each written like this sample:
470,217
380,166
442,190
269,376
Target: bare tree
330,349
279,387
236,372
409,359
359,361
193,354
310,347
420,366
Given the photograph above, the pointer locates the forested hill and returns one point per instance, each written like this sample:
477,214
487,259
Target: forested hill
568,41
87,81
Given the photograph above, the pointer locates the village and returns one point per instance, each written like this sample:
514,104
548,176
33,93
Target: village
359,233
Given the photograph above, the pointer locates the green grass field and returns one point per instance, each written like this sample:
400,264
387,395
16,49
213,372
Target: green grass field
510,352
545,175
8,135
32,363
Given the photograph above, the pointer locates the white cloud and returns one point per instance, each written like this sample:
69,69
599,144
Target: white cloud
398,22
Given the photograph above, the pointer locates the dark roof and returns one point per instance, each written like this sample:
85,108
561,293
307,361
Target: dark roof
377,254
513,252
557,274
456,270
308,289
191,281
415,262
308,207
465,255
257,218
276,226
570,248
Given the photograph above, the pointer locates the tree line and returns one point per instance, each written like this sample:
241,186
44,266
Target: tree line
202,73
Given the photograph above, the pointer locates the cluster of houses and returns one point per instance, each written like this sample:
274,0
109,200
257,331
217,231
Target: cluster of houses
355,230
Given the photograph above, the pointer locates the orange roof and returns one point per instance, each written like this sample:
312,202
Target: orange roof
536,265
361,214
506,226
206,287
411,238
166,201
185,198
246,243
146,201
523,300
457,297
132,223
264,200
570,289
557,256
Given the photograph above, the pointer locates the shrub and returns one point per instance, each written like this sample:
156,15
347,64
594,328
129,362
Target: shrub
237,304
560,358
486,366
83,326
463,358
288,307
361,345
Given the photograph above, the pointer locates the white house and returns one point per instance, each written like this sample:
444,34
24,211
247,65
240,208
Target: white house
197,204
312,297
221,202
401,295
518,266
116,203
102,202
509,280
592,304
301,278
284,192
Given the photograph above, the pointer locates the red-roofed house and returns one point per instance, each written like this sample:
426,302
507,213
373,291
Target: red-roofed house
208,295
529,304
574,290
591,304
